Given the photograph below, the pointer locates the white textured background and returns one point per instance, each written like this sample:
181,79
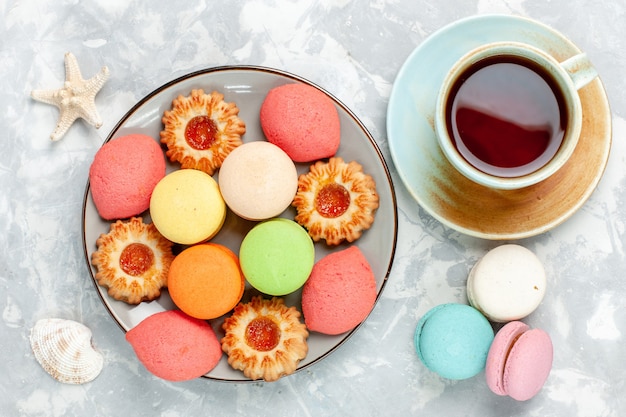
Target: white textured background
353,49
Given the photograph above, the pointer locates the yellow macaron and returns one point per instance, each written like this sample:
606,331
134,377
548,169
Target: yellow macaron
186,207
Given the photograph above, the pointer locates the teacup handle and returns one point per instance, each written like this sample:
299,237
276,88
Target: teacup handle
580,70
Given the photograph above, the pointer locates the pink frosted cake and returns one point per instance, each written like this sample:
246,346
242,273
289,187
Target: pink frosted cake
123,174
175,346
340,292
302,121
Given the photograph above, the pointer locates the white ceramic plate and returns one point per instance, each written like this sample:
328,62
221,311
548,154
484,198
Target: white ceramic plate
447,195
247,86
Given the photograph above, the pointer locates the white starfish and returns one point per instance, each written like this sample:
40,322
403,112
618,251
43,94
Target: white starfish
75,99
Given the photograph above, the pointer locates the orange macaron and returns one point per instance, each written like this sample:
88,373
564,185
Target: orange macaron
205,281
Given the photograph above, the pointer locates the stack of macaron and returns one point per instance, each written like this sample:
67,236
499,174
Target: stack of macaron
457,341
257,181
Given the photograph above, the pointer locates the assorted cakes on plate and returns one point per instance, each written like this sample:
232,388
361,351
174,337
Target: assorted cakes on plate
162,225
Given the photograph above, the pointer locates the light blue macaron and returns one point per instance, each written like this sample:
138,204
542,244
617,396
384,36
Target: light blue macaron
453,340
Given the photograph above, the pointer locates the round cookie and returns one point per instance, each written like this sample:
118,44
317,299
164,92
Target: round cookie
132,261
123,174
264,338
201,129
340,292
302,121
507,284
336,201
205,281
453,340
160,339
186,207
258,180
277,256
519,361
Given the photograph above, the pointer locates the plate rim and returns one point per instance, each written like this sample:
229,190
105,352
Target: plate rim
473,232
294,77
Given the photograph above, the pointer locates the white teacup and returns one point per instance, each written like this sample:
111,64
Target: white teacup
508,114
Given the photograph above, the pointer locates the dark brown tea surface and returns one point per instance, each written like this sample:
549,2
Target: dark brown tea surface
506,116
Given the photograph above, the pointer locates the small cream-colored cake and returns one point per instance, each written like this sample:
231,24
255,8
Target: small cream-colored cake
507,284
258,180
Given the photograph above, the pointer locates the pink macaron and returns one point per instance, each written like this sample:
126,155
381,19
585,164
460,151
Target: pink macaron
302,121
123,174
519,361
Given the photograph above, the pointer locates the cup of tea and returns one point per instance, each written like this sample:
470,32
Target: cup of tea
508,115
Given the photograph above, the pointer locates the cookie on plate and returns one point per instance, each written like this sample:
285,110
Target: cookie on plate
336,201
132,261
265,339
201,129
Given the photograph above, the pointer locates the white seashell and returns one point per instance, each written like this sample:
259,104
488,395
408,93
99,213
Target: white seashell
63,348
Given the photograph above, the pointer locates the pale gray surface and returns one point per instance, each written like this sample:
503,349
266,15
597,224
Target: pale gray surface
353,49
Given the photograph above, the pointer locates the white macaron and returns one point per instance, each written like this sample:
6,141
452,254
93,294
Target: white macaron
507,284
258,180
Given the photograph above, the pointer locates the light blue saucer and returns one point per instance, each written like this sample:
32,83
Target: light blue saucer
447,195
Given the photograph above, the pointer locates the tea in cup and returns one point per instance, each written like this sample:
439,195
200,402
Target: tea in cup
508,114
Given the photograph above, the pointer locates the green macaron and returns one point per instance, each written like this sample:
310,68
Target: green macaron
277,256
